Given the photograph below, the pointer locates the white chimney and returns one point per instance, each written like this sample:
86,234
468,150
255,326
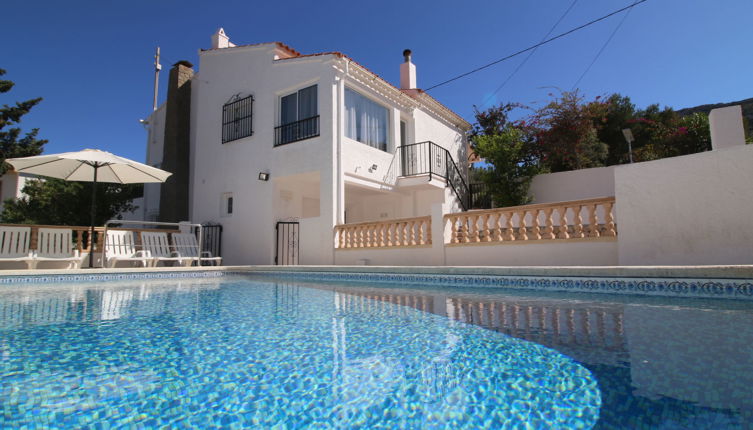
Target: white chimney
407,73
220,40
726,127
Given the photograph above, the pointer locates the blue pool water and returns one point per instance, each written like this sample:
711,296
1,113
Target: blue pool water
252,352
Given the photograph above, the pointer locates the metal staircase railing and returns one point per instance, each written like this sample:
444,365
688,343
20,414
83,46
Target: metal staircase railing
429,158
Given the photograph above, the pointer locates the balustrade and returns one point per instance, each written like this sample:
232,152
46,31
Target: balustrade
385,234
581,220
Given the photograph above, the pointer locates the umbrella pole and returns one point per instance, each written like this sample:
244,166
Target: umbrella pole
93,215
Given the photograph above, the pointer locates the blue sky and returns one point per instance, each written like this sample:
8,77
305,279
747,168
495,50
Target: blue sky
92,60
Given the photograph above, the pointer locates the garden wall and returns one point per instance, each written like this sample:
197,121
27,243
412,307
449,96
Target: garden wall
573,185
694,209
537,253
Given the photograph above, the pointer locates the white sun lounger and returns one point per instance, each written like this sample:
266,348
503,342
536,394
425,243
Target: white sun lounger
14,245
188,247
121,246
56,245
157,244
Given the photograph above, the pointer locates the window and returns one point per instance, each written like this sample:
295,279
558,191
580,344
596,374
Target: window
299,116
226,208
365,120
403,134
236,118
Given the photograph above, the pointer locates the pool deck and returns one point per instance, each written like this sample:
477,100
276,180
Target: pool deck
696,272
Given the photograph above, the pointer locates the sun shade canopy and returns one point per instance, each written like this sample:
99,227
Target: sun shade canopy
80,165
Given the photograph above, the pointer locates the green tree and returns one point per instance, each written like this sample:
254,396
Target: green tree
52,201
617,116
511,165
661,133
691,134
12,144
493,120
566,135
58,202
575,134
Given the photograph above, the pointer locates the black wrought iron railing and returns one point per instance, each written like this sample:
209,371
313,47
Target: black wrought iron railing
428,158
212,240
480,196
298,130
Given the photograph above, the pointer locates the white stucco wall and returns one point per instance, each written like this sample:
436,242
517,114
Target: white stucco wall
11,185
387,257
592,253
362,206
426,127
373,207
357,160
218,169
693,209
297,196
315,234
406,200
574,185
543,253
233,167
154,151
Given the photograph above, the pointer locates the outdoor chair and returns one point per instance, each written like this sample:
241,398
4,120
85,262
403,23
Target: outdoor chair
56,245
188,247
14,245
121,246
159,247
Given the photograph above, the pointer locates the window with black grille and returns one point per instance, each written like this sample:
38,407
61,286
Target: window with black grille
237,119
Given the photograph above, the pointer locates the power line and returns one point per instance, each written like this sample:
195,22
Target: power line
533,51
537,45
603,47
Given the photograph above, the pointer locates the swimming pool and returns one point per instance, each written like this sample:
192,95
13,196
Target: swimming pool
240,351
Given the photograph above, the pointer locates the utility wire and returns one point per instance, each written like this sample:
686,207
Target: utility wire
603,47
530,54
537,45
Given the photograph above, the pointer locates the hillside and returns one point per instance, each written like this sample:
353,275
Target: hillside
747,106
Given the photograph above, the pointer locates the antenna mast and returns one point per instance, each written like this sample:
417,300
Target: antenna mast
157,68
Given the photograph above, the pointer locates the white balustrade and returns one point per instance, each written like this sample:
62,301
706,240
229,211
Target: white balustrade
385,234
575,220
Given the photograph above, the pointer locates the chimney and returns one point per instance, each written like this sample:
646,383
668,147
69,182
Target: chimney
221,40
176,146
407,72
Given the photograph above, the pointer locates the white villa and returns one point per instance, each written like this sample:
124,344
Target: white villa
280,136
11,184
314,159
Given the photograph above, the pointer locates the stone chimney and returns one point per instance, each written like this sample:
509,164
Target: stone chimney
407,73
176,149
221,40
726,127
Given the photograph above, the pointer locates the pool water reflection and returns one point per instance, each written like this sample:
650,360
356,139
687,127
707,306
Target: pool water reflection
240,353
659,362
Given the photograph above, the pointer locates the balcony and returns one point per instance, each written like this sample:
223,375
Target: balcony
298,130
428,158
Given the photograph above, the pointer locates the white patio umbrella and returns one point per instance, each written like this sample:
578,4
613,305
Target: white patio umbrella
89,165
